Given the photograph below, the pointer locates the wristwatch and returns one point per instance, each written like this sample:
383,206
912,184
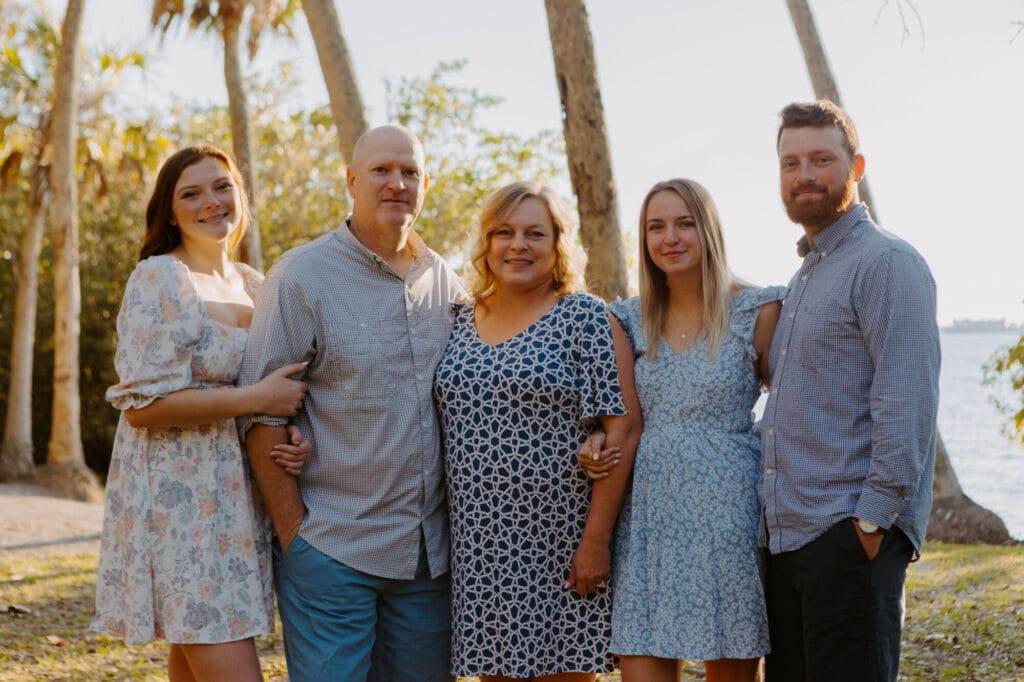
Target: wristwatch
868,527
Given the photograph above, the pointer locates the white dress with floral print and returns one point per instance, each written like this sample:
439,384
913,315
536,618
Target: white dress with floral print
185,551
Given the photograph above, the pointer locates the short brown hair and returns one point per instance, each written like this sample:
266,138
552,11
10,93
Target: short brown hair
162,234
820,114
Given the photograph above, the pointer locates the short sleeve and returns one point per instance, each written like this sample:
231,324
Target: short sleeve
746,306
158,327
598,376
627,312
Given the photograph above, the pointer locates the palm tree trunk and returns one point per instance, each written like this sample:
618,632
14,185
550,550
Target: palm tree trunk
955,517
822,81
66,470
16,457
339,75
241,135
586,146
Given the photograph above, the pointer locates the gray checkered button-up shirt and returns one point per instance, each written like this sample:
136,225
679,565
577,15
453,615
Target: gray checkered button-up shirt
849,426
374,483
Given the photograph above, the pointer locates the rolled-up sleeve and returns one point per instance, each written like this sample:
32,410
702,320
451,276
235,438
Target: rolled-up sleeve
896,309
283,331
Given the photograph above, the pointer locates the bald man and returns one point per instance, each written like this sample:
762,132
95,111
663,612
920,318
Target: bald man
361,547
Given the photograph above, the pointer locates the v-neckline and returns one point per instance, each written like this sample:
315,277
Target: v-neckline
521,332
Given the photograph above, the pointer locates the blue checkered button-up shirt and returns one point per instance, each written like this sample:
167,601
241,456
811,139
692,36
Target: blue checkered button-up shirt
849,426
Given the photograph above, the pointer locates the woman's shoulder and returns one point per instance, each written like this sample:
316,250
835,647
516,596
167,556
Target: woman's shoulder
750,297
165,270
626,309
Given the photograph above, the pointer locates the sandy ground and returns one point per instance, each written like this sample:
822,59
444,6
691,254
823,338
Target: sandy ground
32,520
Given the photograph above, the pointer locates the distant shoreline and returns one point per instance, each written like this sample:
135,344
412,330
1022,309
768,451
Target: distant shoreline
967,326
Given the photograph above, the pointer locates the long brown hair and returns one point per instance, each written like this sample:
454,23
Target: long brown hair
717,281
162,234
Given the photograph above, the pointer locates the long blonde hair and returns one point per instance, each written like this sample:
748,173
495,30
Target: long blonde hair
717,281
570,259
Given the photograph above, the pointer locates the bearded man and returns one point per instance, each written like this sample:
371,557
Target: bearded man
848,434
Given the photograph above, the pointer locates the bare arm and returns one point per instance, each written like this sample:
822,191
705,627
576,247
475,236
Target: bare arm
276,395
279,490
764,330
592,564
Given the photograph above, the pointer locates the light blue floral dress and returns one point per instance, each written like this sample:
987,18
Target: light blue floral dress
185,554
687,577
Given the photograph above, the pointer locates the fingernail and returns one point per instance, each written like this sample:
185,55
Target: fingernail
567,585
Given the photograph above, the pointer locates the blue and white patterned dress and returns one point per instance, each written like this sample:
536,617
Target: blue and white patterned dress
513,417
687,568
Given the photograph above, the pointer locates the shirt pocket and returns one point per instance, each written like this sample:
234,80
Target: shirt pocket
827,330
364,358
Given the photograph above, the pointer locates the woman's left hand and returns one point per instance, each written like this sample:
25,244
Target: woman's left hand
291,456
590,567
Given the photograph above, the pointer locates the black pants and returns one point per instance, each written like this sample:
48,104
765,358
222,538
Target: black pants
833,614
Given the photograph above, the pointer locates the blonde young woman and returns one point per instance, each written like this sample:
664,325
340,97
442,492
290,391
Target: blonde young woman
185,553
532,364
687,580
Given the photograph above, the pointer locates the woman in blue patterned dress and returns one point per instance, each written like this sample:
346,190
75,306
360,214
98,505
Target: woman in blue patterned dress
530,367
687,573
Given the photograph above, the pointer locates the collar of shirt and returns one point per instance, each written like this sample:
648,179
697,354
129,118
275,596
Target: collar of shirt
420,253
828,239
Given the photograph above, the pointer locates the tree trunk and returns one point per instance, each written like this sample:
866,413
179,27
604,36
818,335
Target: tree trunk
586,146
822,81
65,471
954,516
16,458
339,76
241,135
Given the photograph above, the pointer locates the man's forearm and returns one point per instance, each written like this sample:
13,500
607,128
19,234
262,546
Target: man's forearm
279,490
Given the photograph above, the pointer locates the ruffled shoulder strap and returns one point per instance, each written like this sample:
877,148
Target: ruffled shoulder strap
747,304
627,312
253,279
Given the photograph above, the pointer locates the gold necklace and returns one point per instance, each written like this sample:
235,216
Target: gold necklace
675,320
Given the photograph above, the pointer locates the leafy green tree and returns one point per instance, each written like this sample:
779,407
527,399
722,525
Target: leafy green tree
1008,366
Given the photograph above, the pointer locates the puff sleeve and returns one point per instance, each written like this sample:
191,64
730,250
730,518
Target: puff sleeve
158,327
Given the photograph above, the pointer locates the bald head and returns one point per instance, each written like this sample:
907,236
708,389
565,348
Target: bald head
386,179
385,136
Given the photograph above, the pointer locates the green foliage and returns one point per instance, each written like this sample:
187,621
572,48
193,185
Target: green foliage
302,195
1008,366
466,161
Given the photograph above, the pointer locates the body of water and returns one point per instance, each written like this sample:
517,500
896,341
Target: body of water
989,465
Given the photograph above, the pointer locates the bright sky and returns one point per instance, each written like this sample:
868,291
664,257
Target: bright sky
693,89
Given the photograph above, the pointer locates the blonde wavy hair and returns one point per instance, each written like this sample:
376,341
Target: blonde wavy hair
717,280
570,260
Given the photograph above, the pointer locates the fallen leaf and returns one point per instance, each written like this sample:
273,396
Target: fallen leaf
16,610
55,640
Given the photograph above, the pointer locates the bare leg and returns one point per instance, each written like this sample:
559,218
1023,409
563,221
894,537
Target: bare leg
228,662
177,666
732,670
649,669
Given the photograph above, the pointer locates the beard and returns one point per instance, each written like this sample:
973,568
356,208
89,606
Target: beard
826,207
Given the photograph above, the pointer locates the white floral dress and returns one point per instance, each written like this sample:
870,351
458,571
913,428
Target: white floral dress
185,552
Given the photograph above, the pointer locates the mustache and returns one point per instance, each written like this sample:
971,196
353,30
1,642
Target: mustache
809,187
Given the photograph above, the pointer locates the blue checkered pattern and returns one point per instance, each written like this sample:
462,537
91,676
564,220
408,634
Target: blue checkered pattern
849,426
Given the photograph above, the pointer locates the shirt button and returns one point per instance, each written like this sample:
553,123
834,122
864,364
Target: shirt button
771,431
768,471
425,423
783,353
419,377
792,315
803,278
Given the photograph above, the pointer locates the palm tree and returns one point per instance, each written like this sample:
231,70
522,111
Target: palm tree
227,17
586,145
65,470
955,517
339,76
822,81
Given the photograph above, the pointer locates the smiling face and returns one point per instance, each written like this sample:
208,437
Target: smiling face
671,234
818,175
206,202
521,250
386,179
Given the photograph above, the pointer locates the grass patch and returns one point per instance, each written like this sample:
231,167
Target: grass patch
965,621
